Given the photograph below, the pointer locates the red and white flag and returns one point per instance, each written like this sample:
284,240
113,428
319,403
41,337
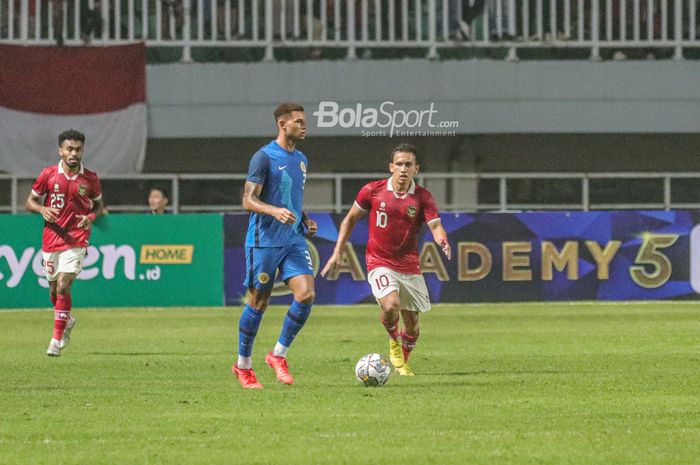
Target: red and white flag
100,91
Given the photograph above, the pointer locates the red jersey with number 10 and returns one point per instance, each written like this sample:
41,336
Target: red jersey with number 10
72,196
394,223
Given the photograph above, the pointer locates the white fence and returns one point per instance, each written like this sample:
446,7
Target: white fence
357,24
453,191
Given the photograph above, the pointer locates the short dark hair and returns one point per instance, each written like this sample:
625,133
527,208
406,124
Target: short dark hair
404,147
286,108
71,134
162,190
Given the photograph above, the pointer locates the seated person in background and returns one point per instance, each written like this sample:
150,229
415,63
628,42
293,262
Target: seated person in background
157,200
173,10
90,20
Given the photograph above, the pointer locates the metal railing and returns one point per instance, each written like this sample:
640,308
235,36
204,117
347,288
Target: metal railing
357,25
453,191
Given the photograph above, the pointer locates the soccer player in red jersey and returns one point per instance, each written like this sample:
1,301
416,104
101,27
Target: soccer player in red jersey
72,200
397,209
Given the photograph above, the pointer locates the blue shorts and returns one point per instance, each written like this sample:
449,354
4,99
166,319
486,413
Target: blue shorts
262,264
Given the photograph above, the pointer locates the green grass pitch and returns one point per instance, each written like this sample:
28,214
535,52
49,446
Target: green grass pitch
496,384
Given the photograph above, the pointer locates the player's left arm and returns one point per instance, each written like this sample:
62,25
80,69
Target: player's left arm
310,225
97,208
440,236
87,220
432,217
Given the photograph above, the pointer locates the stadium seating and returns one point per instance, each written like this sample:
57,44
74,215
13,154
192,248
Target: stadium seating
249,30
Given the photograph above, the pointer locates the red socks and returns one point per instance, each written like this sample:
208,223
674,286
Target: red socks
62,309
407,344
392,327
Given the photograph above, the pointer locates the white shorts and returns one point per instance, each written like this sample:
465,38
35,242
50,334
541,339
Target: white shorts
412,290
65,261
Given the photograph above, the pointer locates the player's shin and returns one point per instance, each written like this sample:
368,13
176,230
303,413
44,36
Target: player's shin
296,317
62,309
247,330
408,343
391,323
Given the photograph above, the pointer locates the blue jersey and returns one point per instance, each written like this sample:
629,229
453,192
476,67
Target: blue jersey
282,175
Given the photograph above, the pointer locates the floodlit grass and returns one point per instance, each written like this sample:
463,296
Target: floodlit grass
496,384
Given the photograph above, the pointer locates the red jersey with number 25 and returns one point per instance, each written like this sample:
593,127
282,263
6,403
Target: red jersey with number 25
72,196
394,223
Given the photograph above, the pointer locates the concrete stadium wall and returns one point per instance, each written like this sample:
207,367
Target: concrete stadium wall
224,100
522,116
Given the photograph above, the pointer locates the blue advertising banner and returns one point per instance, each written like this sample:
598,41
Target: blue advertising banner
501,257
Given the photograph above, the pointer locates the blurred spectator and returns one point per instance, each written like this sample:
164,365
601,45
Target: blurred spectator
642,27
457,29
285,17
90,20
499,19
57,20
472,9
283,20
18,16
628,18
283,25
221,19
158,200
556,32
173,10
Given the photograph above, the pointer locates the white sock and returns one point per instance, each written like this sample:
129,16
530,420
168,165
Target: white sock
244,363
280,350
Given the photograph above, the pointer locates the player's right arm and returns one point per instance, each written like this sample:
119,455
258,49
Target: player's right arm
258,171
33,204
252,203
344,233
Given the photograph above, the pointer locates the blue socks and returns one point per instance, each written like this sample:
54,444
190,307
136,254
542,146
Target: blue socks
293,322
250,322
247,330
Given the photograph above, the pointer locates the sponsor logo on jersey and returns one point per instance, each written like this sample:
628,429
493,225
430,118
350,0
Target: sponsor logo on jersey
263,278
412,211
302,166
167,254
82,189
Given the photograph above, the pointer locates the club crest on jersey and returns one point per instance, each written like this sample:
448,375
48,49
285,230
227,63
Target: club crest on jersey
382,205
302,165
82,189
412,211
263,278
56,188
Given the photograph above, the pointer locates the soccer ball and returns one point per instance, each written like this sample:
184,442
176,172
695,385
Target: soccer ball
372,370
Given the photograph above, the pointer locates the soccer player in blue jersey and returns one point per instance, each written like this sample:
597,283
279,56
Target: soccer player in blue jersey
276,240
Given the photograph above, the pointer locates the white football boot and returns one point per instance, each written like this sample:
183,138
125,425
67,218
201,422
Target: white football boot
54,349
66,333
